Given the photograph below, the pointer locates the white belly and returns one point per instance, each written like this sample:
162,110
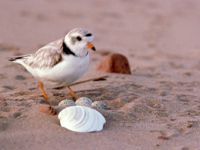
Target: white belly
64,73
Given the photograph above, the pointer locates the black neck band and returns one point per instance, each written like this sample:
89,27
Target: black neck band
66,50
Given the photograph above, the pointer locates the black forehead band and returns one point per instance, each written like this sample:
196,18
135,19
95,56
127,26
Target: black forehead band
89,34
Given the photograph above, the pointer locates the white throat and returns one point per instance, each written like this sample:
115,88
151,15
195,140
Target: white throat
79,49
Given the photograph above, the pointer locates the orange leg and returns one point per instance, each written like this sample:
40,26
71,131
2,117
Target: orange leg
75,97
40,84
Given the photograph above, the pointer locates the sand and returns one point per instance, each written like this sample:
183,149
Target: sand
156,107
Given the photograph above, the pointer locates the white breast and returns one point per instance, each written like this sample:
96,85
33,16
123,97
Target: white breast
67,71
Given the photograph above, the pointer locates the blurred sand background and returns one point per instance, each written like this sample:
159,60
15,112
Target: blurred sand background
157,107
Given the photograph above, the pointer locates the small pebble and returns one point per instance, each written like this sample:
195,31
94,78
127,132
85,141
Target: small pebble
104,53
83,101
100,105
7,47
163,94
162,138
17,114
67,102
185,148
8,87
187,73
47,109
3,102
189,125
16,53
19,77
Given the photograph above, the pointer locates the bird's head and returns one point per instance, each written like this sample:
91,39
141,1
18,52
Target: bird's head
79,41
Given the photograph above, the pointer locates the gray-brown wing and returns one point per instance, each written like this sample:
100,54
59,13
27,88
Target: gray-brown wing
47,56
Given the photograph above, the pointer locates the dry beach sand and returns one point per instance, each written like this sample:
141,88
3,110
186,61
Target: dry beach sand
157,107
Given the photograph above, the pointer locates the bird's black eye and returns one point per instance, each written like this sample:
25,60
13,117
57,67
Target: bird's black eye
89,34
78,38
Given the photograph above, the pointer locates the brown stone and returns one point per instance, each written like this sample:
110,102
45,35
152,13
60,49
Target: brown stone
47,109
115,63
2,102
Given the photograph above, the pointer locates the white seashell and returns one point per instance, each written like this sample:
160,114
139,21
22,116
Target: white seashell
100,105
81,119
67,102
83,101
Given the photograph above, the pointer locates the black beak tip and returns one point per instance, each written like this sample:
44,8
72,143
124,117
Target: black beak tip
93,48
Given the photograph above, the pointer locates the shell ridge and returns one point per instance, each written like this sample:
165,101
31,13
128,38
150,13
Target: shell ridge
66,115
75,119
93,123
81,119
83,125
100,119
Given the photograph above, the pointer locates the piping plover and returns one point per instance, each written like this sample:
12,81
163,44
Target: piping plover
60,62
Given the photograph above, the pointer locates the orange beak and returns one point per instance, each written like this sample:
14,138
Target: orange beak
90,45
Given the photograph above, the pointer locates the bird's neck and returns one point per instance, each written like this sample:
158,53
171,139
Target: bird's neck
66,50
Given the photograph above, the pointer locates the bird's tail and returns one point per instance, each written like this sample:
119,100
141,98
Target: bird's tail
14,58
